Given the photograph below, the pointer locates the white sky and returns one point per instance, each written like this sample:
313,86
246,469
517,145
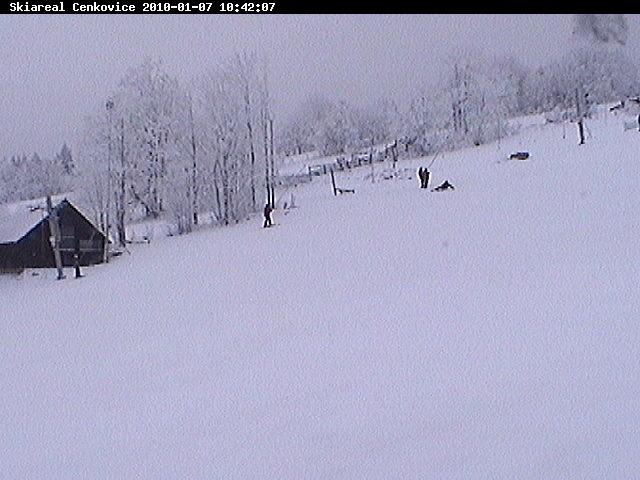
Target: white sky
57,69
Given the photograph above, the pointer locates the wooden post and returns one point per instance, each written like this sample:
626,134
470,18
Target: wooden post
394,153
54,229
580,115
581,131
333,182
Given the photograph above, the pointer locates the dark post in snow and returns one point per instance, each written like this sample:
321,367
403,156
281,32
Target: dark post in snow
55,236
394,154
580,115
333,183
581,131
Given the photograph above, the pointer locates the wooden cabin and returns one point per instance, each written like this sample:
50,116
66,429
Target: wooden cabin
26,239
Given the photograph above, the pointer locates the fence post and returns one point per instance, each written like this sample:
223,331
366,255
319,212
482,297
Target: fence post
333,183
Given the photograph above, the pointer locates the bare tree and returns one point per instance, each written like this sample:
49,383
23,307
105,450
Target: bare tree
245,66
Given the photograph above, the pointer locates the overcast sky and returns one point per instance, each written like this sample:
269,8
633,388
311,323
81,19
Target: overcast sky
55,70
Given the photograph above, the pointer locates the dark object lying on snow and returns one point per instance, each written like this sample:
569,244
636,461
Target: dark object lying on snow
519,156
617,106
445,186
345,190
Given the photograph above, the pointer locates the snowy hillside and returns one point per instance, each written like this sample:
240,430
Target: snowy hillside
488,332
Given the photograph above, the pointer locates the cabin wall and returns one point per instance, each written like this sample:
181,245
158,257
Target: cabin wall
8,258
34,250
92,242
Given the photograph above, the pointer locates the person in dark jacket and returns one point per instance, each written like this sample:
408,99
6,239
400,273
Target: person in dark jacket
426,174
76,257
421,177
267,216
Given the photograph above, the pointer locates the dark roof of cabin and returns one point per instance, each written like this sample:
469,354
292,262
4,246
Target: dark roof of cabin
17,219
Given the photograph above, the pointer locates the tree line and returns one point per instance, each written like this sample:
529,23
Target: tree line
205,152
468,105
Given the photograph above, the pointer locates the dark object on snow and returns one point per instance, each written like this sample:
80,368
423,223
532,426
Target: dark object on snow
445,186
28,245
76,258
267,216
337,190
519,156
617,106
423,175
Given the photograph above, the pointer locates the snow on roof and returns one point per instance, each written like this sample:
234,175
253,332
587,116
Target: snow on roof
16,219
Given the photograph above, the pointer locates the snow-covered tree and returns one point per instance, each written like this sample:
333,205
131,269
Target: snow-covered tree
420,127
480,96
65,160
225,144
298,134
130,151
336,130
151,104
371,125
24,177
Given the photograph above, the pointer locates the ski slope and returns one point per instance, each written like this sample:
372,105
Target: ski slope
489,332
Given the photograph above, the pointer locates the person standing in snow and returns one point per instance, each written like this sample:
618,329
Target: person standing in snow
267,216
76,257
426,174
423,174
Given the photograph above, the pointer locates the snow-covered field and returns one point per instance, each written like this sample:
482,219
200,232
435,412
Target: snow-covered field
487,333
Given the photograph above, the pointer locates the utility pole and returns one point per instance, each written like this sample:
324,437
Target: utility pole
107,225
54,229
272,169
